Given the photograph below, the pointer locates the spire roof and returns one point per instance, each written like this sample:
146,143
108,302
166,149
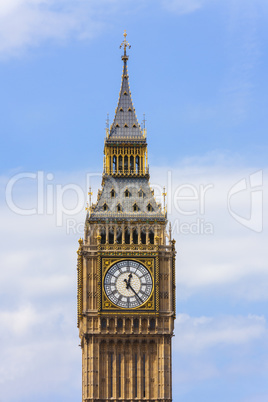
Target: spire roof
125,125
139,194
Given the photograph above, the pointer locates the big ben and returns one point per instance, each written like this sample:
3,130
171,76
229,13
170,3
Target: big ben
126,272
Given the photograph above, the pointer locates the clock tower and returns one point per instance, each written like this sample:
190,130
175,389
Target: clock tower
126,273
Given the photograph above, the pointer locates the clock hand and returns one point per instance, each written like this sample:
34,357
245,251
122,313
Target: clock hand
128,281
135,293
128,286
129,278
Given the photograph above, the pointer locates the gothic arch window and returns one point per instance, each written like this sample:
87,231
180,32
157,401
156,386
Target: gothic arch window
128,324
125,93
111,236
119,208
141,193
120,163
117,125
114,164
137,164
121,109
103,323
103,235
127,236
135,207
152,323
144,324
149,207
132,163
136,323
134,125
112,193
126,163
105,207
135,236
151,236
143,236
119,323
127,193
119,236
125,125
111,324
129,109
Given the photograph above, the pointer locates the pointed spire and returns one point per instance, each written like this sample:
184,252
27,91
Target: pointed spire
125,125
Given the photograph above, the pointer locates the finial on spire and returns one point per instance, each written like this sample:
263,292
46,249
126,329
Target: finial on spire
144,120
170,233
89,204
107,125
164,194
126,45
90,193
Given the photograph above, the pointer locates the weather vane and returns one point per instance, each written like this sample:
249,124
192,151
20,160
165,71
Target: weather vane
125,44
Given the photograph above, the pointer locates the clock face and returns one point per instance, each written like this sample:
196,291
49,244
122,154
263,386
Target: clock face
128,284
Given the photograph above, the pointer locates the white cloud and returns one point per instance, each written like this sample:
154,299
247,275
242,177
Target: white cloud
39,367
232,253
27,23
197,334
218,348
18,322
39,349
38,280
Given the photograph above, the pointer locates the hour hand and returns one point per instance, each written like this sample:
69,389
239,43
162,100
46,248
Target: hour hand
129,277
128,281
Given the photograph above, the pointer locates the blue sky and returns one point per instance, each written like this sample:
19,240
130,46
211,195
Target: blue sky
198,70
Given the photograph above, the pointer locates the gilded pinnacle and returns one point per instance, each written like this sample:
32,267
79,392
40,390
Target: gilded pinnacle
164,195
126,45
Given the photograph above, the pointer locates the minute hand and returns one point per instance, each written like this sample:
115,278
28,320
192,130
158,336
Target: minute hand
135,293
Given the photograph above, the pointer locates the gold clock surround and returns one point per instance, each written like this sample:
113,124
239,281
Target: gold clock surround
108,306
